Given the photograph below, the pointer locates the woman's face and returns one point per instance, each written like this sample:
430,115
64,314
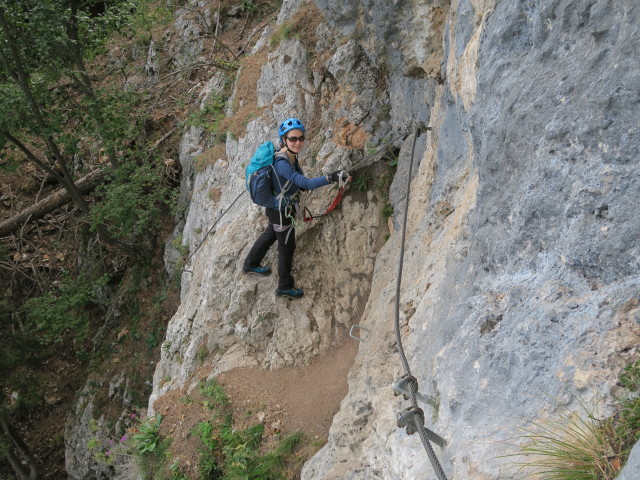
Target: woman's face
297,135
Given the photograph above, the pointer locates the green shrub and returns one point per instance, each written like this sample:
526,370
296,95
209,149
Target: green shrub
214,391
361,183
387,210
231,454
249,6
27,388
176,472
132,204
63,309
210,115
150,451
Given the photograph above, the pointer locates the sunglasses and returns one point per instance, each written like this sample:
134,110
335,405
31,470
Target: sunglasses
295,139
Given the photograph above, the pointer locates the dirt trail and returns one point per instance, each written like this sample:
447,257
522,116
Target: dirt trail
288,400
293,398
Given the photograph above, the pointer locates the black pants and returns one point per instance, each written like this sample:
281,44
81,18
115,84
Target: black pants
286,248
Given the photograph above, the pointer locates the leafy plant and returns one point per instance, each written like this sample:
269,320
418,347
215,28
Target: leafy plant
179,246
152,340
210,115
249,6
10,165
387,210
215,391
232,454
132,203
202,354
26,393
209,464
361,183
176,472
148,439
150,15
240,450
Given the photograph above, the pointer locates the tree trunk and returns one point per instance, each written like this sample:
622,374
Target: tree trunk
18,452
84,83
50,203
21,78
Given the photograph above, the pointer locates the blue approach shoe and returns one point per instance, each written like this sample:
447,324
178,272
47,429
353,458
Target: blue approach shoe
262,271
290,292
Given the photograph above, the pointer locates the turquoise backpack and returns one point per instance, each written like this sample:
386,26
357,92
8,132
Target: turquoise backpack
258,179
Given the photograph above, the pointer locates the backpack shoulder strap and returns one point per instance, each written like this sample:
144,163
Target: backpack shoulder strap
281,197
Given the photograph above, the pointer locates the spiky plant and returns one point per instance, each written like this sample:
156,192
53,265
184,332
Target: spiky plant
574,446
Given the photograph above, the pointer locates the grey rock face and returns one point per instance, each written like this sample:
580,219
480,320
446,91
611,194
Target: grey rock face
632,468
520,282
522,268
79,460
568,83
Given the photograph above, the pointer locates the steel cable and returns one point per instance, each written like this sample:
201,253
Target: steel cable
418,419
381,149
211,229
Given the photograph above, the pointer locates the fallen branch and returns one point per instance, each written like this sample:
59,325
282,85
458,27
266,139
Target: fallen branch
255,30
164,137
50,203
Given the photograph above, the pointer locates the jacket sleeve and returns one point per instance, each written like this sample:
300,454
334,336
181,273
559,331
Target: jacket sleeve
285,170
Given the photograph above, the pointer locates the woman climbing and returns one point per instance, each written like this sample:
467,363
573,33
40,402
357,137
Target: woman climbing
280,227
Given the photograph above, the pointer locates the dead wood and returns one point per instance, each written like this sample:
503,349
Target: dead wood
50,203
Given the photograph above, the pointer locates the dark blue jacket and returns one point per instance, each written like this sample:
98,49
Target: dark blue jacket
294,174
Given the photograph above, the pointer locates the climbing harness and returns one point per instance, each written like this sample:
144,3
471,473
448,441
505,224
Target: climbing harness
412,418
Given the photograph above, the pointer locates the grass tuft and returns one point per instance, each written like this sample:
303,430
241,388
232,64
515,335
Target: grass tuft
578,445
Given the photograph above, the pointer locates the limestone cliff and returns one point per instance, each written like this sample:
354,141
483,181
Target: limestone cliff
521,274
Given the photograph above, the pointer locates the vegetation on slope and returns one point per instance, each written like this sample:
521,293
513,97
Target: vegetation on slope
84,293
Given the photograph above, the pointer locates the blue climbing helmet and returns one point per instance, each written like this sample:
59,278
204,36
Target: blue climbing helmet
290,124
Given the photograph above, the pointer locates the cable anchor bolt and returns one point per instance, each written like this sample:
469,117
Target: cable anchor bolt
406,419
412,418
352,334
403,387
